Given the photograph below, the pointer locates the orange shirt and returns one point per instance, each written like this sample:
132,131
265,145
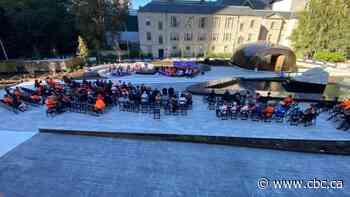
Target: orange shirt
35,98
50,103
100,104
8,100
268,111
18,93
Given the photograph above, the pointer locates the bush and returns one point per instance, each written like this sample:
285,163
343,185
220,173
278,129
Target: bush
74,64
330,56
8,67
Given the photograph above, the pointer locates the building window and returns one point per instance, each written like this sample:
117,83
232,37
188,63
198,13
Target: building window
174,36
213,48
272,25
202,22
269,38
252,23
228,22
202,37
189,22
160,39
227,37
214,36
249,37
173,21
160,25
188,48
148,36
188,36
174,48
241,27
148,22
216,21
226,49
240,40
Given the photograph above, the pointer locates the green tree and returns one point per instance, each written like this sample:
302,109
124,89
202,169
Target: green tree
83,50
92,18
30,27
324,26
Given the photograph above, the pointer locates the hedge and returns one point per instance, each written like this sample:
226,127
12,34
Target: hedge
330,56
8,67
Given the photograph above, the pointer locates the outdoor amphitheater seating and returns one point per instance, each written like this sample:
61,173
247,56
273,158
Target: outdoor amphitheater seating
256,111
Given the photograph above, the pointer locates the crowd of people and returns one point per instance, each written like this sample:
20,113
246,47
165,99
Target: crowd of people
341,112
14,99
97,95
246,105
179,72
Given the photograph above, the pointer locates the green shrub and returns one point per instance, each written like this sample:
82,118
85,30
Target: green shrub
74,64
8,67
330,56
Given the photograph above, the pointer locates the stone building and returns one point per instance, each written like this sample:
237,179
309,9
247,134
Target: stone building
198,28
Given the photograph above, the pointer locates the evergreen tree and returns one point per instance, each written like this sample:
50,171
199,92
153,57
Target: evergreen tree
83,51
324,26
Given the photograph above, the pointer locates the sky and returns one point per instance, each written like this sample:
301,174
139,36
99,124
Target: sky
137,3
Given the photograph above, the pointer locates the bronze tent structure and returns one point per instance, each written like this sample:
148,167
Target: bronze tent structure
265,56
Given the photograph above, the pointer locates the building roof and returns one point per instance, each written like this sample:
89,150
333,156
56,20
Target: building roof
197,7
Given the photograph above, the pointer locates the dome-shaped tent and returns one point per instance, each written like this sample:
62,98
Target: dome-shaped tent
265,56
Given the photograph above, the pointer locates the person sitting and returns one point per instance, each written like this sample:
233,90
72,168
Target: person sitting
174,105
35,98
182,100
171,92
223,109
99,105
280,111
308,115
268,112
188,96
345,125
18,92
157,99
51,103
288,101
144,97
7,100
266,99
226,96
256,110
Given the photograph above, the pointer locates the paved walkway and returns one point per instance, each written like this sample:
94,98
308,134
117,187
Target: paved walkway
75,166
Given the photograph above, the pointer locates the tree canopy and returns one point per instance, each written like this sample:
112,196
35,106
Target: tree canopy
44,28
324,26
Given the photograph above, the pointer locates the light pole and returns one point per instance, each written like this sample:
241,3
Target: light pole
3,50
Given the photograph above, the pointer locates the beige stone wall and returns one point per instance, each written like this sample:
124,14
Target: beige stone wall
223,33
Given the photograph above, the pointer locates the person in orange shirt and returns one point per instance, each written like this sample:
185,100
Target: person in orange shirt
99,105
346,105
18,93
51,103
35,98
7,100
268,111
